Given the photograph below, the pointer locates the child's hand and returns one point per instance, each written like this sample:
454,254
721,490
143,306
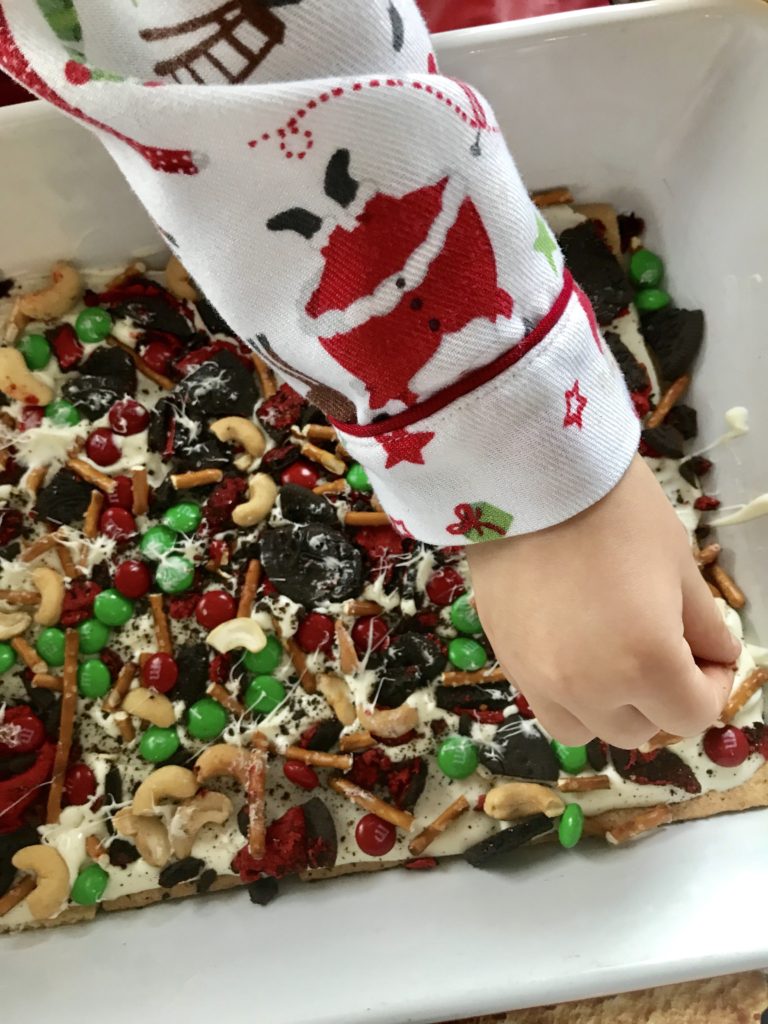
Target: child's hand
604,622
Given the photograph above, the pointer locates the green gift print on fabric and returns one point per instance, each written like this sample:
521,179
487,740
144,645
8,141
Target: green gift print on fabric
62,18
480,521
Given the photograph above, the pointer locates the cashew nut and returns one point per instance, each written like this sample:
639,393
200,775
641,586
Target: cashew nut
178,281
13,624
336,692
390,724
222,759
262,494
513,800
149,706
52,888
171,781
18,382
149,834
57,298
51,586
203,809
236,633
244,432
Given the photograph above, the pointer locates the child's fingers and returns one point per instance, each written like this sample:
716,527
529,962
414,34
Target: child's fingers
684,699
703,626
561,724
623,727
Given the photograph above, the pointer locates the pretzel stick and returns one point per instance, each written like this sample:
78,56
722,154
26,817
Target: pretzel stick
713,589
142,366
661,739
319,432
125,728
585,784
361,609
198,478
28,654
492,675
33,479
642,822
250,586
419,844
319,757
93,848
332,487
265,375
328,461
369,802
348,662
140,484
39,547
66,723
353,741
552,197
255,788
707,555
20,597
17,894
66,561
162,628
754,682
114,698
91,475
298,658
341,452
93,515
46,681
675,390
366,519
732,593
224,697
132,270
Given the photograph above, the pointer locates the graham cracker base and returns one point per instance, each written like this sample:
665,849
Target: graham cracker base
179,892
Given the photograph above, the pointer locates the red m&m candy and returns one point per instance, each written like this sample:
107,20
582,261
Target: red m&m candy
117,523
101,447
370,633
302,473
727,747
300,774
128,417
133,579
215,607
122,496
159,672
316,633
375,836
445,586
79,784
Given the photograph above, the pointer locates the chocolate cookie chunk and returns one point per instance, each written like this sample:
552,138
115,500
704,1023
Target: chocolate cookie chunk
312,563
412,661
322,842
112,364
664,440
180,871
674,336
684,419
93,397
221,386
634,373
155,313
214,322
263,891
596,270
10,844
521,751
192,661
486,698
512,838
300,505
64,500
659,768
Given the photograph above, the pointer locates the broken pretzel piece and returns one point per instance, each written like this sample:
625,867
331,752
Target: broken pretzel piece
584,783
638,824
552,197
419,844
114,698
326,459
162,626
348,662
93,515
319,758
66,726
732,593
369,802
196,478
675,391
755,681
140,483
91,475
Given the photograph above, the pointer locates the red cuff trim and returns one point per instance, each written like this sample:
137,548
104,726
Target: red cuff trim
470,382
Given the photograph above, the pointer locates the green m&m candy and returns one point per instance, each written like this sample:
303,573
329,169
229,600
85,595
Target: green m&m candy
572,759
111,608
206,719
93,679
267,659
571,826
89,885
457,757
264,694
94,636
175,574
646,269
650,299
467,655
36,351
7,657
184,517
464,616
357,479
156,542
50,646
158,744
62,413
93,325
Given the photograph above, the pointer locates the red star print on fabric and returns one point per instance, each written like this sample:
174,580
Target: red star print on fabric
575,404
401,446
586,305
399,527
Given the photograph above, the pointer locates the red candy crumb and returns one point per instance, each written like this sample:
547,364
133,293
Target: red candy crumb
301,774
301,473
23,790
31,417
159,356
728,747
706,503
369,768
160,672
11,525
101,447
222,501
79,784
118,523
445,586
133,579
370,633
480,802
112,660
285,849
316,633
523,707
374,836
421,864
282,410
66,346
78,601
182,607
215,607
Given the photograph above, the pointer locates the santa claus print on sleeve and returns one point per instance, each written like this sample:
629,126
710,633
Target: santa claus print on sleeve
357,218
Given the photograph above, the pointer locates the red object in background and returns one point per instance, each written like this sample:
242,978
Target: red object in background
11,93
442,15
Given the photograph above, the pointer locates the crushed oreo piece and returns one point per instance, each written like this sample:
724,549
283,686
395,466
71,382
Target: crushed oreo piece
597,755
64,499
509,840
180,871
219,387
674,336
521,751
322,842
323,735
213,320
156,313
112,364
263,891
205,881
412,661
121,853
10,844
657,768
281,412
312,563
93,397
664,440
47,707
192,661
684,419
596,270
692,469
634,373
481,698
300,505
278,459
630,226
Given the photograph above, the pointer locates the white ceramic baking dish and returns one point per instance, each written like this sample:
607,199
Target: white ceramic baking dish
659,107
